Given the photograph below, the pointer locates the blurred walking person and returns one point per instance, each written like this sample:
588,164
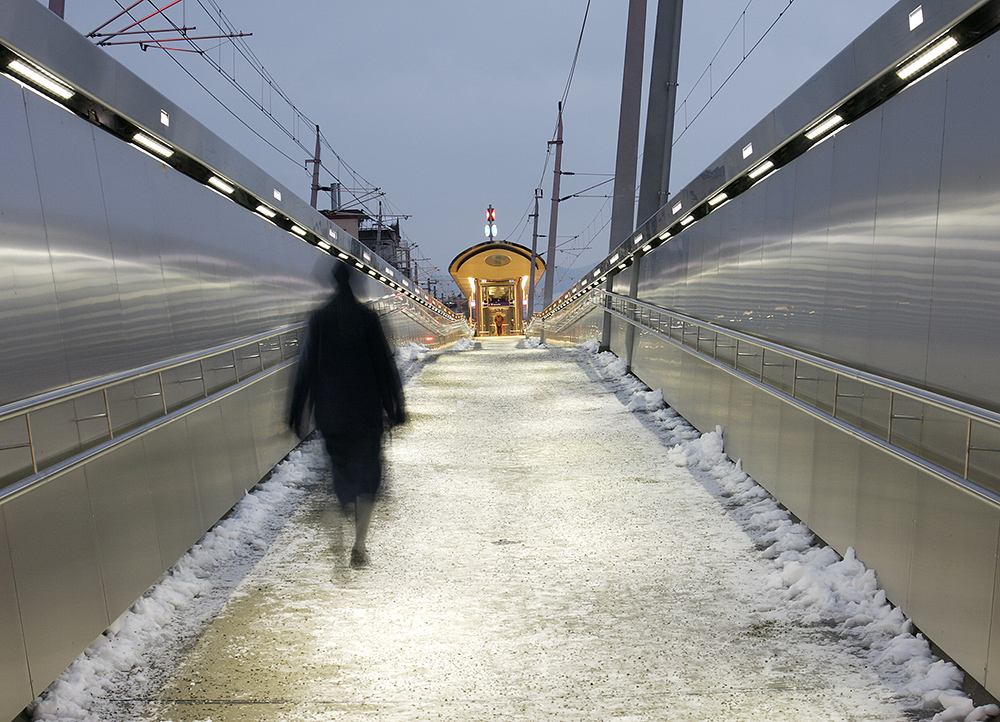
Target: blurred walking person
348,379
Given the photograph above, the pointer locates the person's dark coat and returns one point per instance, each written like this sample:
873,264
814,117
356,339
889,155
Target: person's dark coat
346,372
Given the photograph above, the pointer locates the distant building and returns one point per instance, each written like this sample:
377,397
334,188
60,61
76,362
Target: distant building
495,276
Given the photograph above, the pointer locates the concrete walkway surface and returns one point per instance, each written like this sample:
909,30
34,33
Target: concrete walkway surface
538,556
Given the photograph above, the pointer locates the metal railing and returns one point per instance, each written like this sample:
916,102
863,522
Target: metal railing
43,431
952,438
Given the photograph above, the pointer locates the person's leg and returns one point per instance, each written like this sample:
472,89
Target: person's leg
363,508
370,478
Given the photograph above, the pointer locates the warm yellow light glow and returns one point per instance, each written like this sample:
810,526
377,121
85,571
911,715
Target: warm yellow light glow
717,199
266,211
298,230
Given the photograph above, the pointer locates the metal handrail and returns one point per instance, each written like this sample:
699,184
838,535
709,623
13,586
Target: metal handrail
968,413
913,392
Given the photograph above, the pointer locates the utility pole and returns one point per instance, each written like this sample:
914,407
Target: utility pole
655,180
550,257
534,256
315,185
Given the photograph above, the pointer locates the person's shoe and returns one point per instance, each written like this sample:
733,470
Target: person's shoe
359,558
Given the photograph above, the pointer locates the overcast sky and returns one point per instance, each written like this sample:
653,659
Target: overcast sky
447,106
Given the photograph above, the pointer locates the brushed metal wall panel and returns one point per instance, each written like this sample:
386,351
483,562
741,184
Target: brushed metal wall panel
58,573
909,170
14,682
951,572
776,253
173,490
884,530
748,294
33,356
796,446
210,458
15,454
129,199
833,501
964,338
125,525
765,435
846,321
810,254
240,442
90,312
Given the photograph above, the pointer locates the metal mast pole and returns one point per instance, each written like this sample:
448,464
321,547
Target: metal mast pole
534,256
550,256
315,161
623,207
655,180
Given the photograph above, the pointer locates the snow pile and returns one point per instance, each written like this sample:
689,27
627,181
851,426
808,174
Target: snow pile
819,585
409,357
532,342
236,542
463,344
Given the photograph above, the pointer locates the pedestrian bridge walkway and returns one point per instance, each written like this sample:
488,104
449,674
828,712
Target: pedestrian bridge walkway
554,544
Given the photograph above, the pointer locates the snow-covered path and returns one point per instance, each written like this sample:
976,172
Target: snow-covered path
543,552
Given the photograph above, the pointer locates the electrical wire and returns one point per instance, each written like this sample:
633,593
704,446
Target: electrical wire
713,92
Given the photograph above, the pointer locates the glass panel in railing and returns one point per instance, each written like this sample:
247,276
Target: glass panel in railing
15,451
984,455
134,402
183,385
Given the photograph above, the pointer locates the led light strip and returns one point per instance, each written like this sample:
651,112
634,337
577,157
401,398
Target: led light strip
934,52
150,143
40,78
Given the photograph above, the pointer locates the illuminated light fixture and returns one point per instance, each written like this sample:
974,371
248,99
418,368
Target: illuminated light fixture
219,184
917,17
638,240
716,200
298,230
647,248
332,233
371,273
152,144
677,208
383,279
761,170
359,265
323,244
665,235
164,118
266,211
687,220
389,272
747,150
614,258
597,273
343,256
825,127
921,61
41,78
622,265
277,194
